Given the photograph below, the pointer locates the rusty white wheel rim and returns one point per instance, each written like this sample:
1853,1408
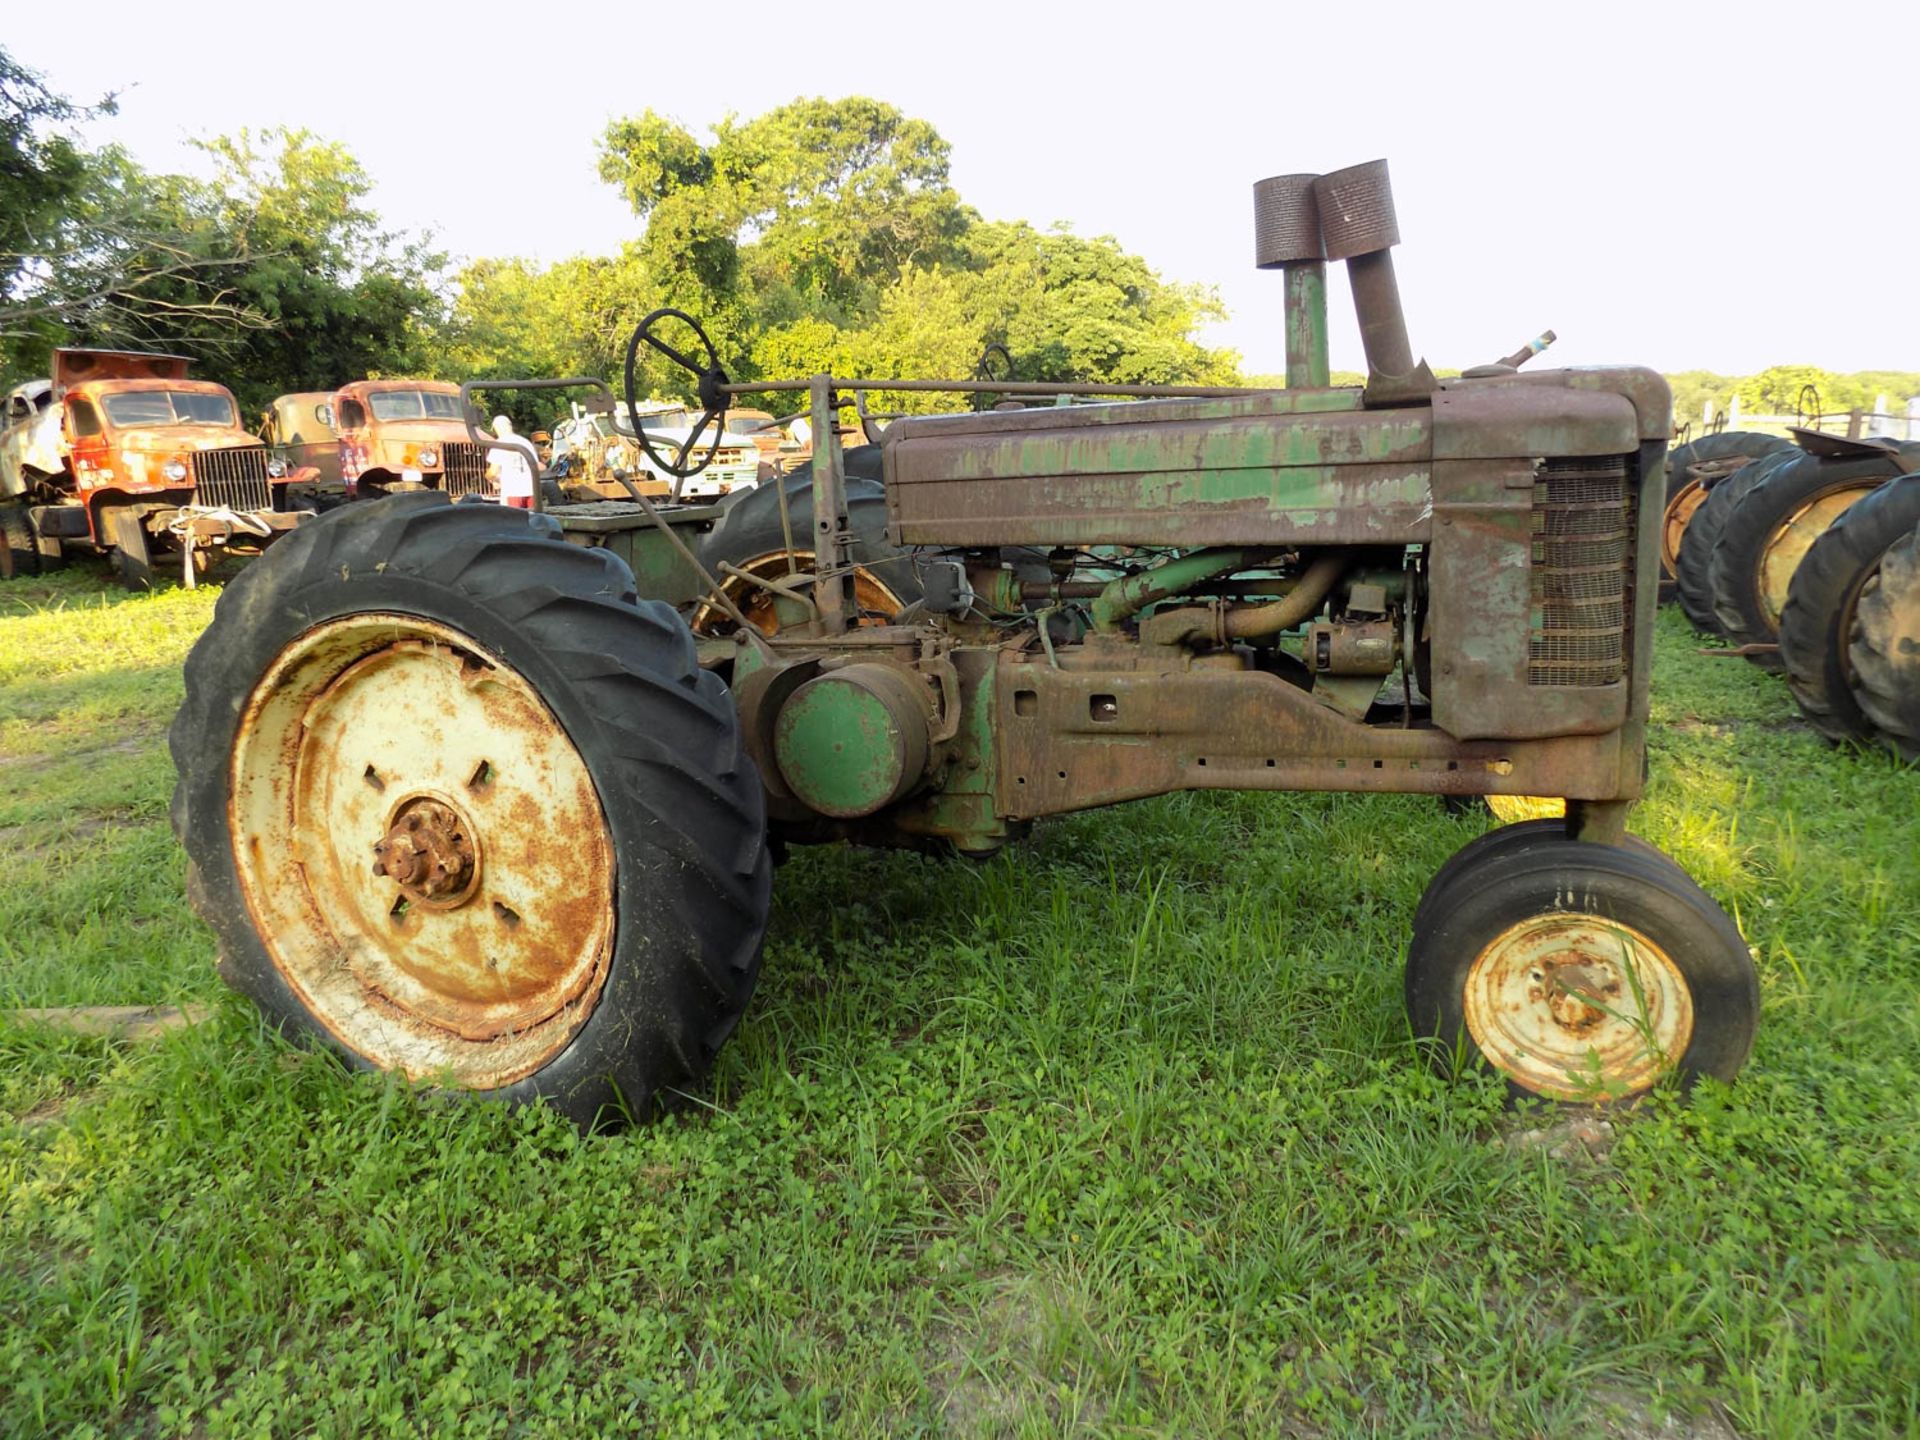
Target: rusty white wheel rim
422,850
1574,1007
1788,546
874,602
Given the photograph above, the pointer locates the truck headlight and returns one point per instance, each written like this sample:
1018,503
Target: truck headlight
277,468
174,469
429,458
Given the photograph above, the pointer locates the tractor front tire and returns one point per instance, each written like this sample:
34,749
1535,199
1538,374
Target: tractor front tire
1580,972
457,804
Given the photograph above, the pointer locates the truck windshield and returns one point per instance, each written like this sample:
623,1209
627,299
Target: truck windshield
168,407
414,405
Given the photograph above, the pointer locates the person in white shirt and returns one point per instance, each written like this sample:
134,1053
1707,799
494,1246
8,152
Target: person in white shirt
507,466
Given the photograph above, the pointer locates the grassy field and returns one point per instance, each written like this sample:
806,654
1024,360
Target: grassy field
1119,1134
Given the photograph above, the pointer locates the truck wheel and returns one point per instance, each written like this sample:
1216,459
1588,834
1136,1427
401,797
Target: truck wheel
1693,578
1581,972
19,555
458,805
132,557
749,537
1693,470
1886,647
1767,535
1816,625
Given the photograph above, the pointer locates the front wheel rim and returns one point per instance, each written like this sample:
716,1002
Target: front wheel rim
1576,1007
422,850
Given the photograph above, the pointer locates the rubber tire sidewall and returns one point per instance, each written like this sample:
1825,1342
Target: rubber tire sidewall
1693,575
1814,624
286,593
749,527
1733,570
1634,889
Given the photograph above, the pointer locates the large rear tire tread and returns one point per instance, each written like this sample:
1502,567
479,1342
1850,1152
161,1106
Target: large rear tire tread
1727,445
1693,580
1753,524
1817,621
658,735
1886,648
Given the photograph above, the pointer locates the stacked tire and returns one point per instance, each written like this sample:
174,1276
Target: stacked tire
1808,564
1850,632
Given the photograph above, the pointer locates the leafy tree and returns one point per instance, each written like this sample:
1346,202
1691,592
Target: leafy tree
336,297
832,198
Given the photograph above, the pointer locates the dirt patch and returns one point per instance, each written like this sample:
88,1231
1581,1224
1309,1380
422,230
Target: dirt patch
1578,1138
1011,1359
1619,1414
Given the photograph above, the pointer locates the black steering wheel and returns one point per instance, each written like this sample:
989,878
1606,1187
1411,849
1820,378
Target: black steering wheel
710,380
985,369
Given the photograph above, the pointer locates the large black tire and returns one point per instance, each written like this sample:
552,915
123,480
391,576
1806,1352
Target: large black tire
1816,626
750,529
1734,574
1693,581
683,808
1886,647
1743,445
1498,841
1579,895
19,555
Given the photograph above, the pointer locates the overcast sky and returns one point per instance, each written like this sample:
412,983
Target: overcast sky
1682,185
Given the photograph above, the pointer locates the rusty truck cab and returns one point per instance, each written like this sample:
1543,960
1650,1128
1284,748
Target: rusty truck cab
400,435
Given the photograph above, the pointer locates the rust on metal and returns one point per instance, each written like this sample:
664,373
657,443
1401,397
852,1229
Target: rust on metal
1577,1007
478,940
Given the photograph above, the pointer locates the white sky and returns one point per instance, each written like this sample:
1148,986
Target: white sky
1682,185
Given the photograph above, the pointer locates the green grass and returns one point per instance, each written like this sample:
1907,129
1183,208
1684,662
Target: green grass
1120,1133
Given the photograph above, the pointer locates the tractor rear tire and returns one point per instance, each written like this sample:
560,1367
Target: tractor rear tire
1693,582
1762,542
572,879
1685,491
1580,972
1886,647
1816,627
749,536
19,554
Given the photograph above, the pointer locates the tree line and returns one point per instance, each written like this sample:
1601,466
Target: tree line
822,235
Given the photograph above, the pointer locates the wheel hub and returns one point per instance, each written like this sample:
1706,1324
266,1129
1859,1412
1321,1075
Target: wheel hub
430,853
1570,990
1578,1007
466,943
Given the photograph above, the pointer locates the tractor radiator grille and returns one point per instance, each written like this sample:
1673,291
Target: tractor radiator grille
1582,568
235,478
466,468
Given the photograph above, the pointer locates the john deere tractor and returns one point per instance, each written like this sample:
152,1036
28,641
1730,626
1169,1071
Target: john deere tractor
492,797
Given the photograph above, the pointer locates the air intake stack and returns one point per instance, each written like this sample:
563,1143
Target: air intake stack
1302,221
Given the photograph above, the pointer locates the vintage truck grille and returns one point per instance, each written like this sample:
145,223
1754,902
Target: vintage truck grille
235,478
1582,571
465,469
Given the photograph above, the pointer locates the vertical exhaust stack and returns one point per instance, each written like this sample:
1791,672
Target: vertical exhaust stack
1357,225
1286,236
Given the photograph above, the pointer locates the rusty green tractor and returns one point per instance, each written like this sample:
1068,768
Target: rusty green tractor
493,797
